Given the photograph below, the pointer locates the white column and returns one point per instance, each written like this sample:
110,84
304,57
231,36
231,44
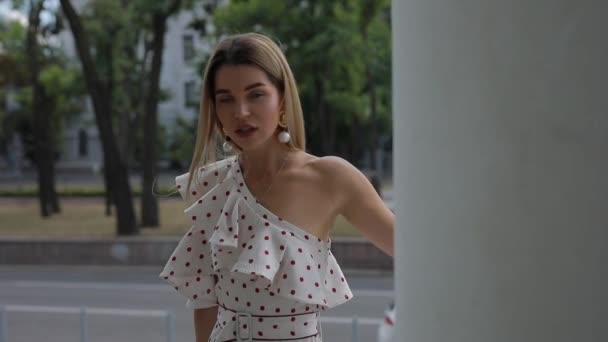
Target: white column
501,170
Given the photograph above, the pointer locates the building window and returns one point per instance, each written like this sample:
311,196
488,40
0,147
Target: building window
190,94
188,41
83,143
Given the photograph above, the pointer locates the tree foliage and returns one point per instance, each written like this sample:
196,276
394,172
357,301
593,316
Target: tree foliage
59,77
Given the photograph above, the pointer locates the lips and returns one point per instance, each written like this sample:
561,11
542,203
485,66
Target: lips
245,130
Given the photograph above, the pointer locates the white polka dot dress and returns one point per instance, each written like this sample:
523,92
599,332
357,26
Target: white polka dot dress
269,278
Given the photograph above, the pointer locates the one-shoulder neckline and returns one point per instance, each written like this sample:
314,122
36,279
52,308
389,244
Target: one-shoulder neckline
250,197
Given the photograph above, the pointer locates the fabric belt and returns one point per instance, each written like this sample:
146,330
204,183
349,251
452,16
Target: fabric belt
244,326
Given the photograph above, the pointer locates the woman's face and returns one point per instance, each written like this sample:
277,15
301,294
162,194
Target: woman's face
247,105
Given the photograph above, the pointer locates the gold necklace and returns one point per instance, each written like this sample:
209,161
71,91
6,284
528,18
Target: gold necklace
272,179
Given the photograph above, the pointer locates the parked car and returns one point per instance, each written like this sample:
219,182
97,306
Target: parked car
386,330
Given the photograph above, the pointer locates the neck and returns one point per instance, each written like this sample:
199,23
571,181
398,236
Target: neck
261,163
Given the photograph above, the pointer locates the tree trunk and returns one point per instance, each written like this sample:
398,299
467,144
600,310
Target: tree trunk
354,137
331,131
373,120
117,172
372,142
128,127
149,203
323,117
108,192
43,151
106,50
54,197
369,11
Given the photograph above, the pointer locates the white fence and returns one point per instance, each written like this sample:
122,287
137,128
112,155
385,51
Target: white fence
168,316
84,312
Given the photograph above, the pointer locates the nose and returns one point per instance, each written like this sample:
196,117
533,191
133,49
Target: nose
242,110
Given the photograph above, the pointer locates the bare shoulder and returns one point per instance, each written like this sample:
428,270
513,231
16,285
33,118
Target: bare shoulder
336,169
338,176
331,163
331,173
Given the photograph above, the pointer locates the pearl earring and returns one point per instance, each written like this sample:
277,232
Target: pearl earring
227,146
284,136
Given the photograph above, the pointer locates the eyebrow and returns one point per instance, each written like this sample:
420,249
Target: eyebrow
251,86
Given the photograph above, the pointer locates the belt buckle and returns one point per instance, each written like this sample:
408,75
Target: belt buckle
246,315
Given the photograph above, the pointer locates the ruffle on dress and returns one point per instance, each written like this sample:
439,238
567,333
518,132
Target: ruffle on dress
232,231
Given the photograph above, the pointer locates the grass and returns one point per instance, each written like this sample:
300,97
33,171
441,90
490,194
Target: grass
85,217
29,190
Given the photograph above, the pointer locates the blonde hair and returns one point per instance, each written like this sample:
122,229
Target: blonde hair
250,49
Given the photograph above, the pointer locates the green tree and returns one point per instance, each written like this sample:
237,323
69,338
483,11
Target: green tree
47,92
127,81
158,14
117,30
13,75
153,17
113,38
374,29
43,147
115,165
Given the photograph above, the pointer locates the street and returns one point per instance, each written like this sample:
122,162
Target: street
128,304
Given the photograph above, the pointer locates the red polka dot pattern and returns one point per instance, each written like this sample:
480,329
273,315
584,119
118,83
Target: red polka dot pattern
249,245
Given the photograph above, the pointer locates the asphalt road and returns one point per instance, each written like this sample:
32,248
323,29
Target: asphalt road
129,304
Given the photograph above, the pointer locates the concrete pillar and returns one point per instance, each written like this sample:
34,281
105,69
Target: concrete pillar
501,170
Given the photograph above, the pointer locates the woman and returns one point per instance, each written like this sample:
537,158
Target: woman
256,264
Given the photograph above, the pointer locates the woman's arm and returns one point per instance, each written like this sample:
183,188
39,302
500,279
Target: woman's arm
204,320
359,203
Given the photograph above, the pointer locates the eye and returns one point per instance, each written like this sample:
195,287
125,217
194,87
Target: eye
257,94
224,99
